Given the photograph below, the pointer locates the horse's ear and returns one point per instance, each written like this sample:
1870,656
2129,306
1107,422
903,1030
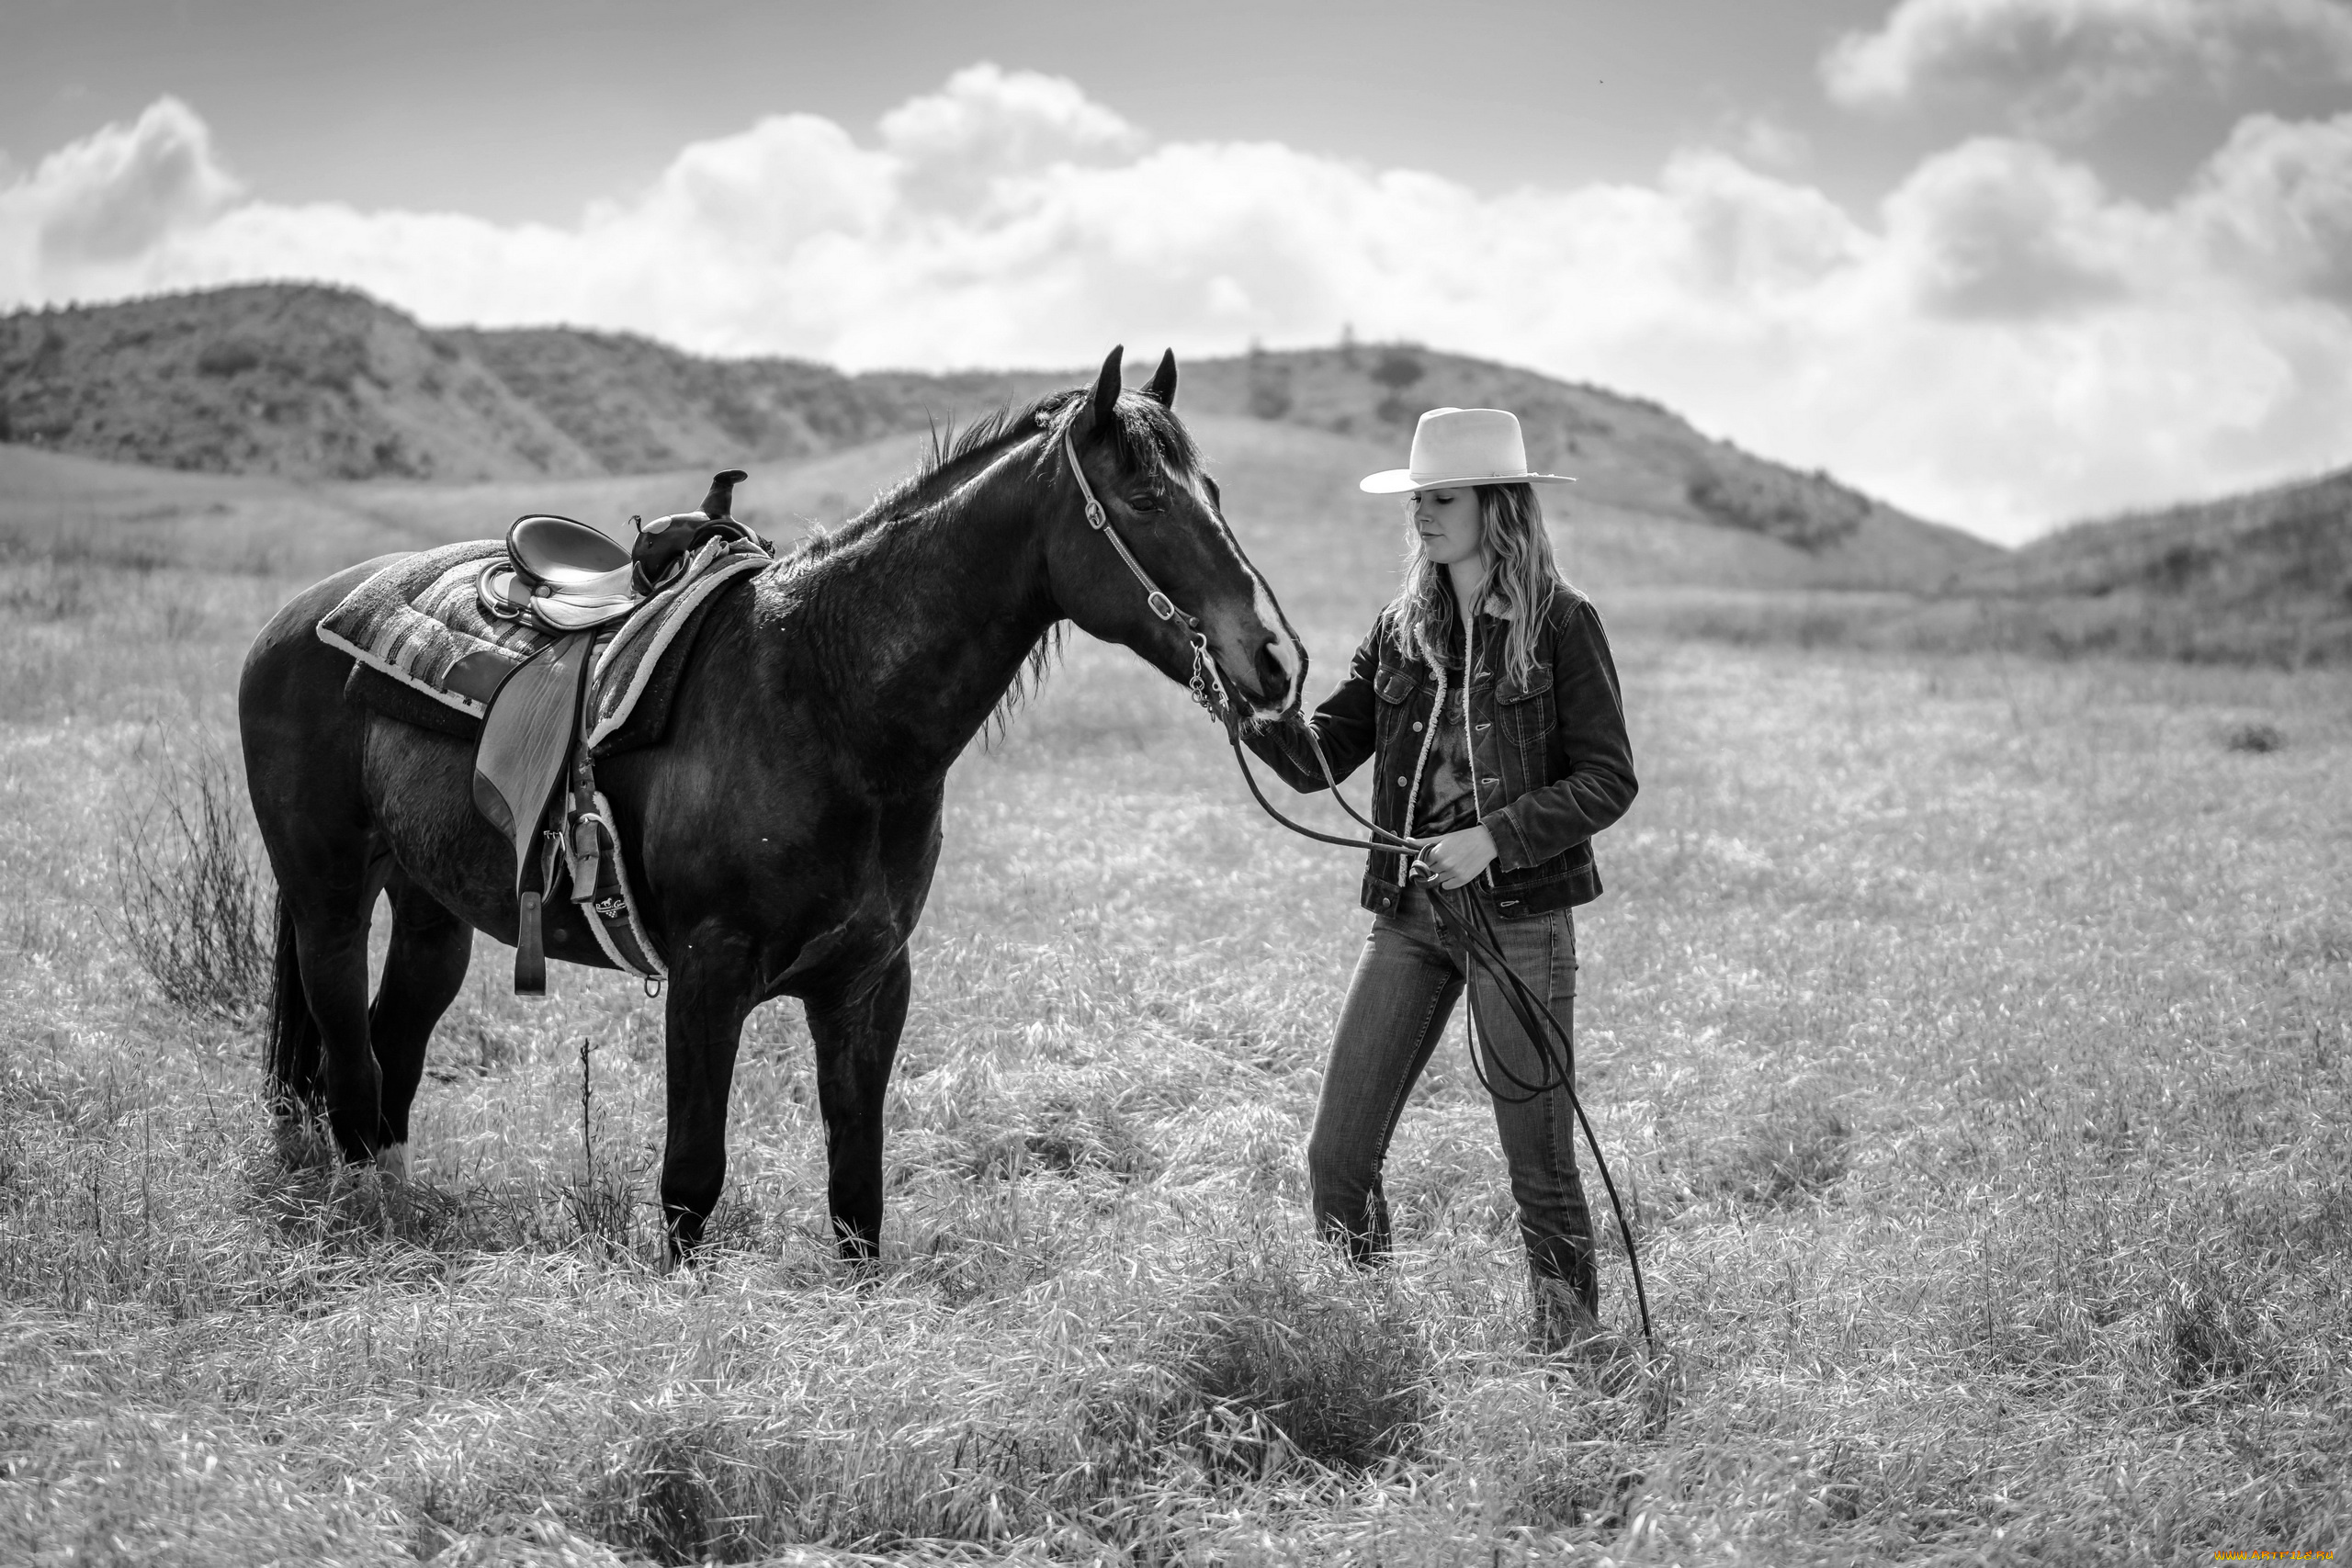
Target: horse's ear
1106,390
1163,381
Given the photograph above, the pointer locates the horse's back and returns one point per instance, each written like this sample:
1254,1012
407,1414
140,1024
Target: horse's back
290,635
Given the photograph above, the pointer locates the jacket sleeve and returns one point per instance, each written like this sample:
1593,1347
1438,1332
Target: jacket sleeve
1598,784
1343,722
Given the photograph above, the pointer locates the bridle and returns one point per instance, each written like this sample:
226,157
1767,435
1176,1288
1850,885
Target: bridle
1208,684
1480,940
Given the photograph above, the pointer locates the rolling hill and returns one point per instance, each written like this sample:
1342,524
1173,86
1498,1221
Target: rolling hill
1290,492
300,383
2265,575
312,385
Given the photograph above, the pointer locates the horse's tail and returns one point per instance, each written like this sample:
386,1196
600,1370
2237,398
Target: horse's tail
294,1040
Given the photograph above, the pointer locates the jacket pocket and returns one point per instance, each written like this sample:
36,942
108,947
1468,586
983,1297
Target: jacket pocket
1525,710
1393,741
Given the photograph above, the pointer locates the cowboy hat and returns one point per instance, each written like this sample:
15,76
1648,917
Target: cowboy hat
1462,446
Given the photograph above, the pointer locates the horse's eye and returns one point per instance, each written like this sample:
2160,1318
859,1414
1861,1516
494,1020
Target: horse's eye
1147,500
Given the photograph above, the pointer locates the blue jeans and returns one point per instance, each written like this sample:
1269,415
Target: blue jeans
1405,988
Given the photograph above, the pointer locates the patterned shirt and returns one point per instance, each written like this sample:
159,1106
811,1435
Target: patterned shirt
1447,805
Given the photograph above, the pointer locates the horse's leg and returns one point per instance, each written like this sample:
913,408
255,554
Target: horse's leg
857,1036
713,987
422,969
333,945
295,1084
330,869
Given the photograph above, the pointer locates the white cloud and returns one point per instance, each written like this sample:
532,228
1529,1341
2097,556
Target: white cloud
2003,343
1764,140
2276,203
112,196
2063,66
2010,230
989,124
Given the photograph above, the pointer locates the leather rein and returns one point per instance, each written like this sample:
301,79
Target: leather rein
1480,941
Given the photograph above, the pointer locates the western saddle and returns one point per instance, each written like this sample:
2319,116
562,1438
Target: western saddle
571,581
566,576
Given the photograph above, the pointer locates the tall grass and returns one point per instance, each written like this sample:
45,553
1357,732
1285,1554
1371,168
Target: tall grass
190,887
1972,1032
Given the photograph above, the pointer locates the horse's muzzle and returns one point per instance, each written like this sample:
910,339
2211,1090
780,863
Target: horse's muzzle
1268,686
1276,688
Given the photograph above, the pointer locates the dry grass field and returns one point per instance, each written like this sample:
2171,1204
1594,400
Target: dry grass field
1973,1034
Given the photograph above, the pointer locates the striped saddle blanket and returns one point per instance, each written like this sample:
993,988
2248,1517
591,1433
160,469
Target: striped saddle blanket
419,627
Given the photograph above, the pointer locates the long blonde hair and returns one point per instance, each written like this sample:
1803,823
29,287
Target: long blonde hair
1520,573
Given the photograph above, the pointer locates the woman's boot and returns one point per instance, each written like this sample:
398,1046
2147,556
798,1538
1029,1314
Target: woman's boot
1564,1325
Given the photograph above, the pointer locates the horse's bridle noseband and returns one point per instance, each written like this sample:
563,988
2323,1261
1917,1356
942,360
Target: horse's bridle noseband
1208,684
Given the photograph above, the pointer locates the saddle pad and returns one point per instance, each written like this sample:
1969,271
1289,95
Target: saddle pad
419,622
418,631
628,664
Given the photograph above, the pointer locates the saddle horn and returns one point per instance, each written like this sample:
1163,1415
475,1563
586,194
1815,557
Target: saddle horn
665,541
720,501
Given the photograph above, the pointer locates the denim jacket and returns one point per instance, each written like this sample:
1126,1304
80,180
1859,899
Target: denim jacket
1549,754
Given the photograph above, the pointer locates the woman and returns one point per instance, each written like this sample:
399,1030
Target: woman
1486,692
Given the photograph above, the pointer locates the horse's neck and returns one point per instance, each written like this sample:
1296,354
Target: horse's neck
930,618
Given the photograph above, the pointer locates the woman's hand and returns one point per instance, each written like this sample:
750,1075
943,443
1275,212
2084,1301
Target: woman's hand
1455,858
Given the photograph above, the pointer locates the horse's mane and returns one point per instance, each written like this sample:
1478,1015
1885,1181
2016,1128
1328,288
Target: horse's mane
1140,426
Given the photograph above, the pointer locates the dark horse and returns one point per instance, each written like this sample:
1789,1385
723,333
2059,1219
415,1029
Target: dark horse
783,837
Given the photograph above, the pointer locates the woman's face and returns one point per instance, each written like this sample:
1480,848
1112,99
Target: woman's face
1447,521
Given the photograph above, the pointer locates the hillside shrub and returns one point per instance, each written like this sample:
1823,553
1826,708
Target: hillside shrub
2179,567
1270,393
231,357
1809,511
1398,369
48,354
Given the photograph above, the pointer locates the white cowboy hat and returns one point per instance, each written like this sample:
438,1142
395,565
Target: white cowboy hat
1462,446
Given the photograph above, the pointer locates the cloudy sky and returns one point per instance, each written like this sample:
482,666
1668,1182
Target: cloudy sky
2005,261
